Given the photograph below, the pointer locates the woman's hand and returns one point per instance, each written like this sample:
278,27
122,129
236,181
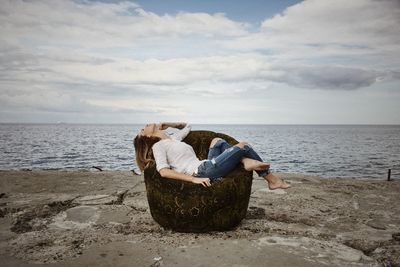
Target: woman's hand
162,126
178,125
204,181
241,144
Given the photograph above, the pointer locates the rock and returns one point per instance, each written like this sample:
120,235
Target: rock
335,253
396,236
366,246
275,191
5,232
349,255
97,200
324,210
137,201
121,195
34,218
115,215
388,254
49,228
81,214
255,213
376,224
76,218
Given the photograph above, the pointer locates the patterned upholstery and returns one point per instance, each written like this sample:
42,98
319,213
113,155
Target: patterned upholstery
187,207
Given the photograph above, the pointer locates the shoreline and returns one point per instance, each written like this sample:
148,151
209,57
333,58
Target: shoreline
64,218
94,169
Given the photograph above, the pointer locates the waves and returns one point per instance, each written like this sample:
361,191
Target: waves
351,151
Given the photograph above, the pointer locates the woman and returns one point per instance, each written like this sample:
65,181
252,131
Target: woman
177,160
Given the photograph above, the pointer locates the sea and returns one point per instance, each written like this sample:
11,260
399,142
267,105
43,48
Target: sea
344,151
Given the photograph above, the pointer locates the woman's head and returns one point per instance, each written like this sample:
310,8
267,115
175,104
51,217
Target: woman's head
149,129
143,143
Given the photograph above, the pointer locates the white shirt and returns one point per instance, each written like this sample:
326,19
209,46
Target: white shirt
176,155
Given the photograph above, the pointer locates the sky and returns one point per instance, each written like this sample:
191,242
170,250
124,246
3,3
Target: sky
203,62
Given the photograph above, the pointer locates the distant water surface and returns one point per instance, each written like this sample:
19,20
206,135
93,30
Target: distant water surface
348,151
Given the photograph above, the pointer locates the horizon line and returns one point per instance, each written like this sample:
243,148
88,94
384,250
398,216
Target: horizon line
131,123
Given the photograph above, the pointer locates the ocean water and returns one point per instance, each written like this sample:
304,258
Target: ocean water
347,151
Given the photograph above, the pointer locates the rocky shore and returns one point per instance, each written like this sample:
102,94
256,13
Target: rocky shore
85,218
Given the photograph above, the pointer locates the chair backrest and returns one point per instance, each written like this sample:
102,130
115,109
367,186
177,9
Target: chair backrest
201,140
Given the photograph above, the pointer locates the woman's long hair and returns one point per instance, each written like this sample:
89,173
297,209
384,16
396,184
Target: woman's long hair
143,151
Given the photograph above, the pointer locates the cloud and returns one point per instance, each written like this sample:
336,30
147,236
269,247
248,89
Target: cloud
194,76
41,100
327,77
140,106
95,57
47,100
310,29
314,29
45,43
95,24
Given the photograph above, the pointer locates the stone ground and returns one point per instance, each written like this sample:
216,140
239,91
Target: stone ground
84,218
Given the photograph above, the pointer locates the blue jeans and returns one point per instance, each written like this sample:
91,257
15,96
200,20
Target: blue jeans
223,158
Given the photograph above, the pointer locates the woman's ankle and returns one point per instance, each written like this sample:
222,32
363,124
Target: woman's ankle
270,178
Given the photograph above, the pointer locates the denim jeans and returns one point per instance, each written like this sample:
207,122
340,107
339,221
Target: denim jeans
223,158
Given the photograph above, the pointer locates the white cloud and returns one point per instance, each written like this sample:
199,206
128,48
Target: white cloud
90,25
313,29
143,106
191,71
48,100
114,58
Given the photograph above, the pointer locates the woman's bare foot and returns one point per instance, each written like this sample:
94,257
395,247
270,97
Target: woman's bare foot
254,165
275,182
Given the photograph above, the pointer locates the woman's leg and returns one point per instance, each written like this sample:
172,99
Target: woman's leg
221,145
220,164
274,182
224,163
252,154
231,156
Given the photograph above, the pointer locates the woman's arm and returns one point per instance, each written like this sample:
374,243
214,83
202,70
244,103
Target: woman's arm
177,125
181,134
172,174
